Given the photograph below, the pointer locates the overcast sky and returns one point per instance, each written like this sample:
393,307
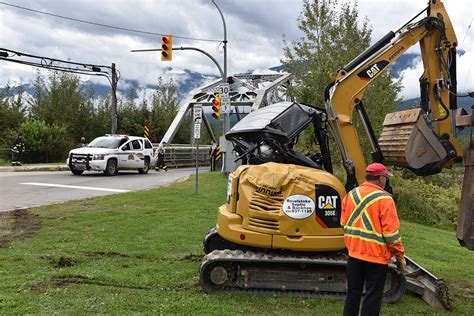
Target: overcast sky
254,30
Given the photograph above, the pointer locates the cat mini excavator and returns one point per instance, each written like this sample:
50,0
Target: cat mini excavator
279,231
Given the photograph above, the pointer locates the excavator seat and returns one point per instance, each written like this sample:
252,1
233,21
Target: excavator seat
408,141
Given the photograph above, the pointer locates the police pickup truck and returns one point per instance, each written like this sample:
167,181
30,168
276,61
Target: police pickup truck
111,153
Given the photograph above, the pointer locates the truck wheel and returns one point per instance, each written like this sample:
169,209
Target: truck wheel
111,168
146,167
77,172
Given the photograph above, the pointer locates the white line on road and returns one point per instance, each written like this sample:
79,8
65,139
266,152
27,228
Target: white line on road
73,187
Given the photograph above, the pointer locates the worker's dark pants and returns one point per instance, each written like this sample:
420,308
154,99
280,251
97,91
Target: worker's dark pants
213,163
16,157
160,162
373,275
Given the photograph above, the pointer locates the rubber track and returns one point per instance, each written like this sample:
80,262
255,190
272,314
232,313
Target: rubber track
238,256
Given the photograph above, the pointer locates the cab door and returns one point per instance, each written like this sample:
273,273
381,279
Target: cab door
137,150
126,156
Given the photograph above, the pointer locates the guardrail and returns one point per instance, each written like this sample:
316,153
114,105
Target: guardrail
177,155
184,155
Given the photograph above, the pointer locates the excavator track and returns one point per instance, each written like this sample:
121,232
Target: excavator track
310,276
229,267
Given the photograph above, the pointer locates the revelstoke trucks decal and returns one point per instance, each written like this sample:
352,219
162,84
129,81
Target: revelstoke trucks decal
328,206
370,72
298,206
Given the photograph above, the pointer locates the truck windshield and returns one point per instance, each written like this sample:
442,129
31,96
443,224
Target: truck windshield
105,142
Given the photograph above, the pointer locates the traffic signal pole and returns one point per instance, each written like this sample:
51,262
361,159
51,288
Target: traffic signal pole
166,42
225,145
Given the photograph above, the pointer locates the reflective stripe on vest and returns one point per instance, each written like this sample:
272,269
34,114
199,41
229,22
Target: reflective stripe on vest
367,233
364,234
361,207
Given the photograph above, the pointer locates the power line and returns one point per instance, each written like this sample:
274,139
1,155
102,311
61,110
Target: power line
105,25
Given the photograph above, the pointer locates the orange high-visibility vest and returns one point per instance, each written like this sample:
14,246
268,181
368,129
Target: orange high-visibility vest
371,226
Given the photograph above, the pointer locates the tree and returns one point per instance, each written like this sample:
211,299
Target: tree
12,110
12,114
165,104
333,36
62,100
132,116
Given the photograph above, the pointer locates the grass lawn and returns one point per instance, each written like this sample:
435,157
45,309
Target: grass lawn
140,253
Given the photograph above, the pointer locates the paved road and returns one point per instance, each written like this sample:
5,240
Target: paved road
28,189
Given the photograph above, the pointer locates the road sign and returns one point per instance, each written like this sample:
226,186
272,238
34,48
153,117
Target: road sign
197,130
197,118
223,89
197,114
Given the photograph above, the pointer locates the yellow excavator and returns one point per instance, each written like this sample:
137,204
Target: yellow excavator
278,232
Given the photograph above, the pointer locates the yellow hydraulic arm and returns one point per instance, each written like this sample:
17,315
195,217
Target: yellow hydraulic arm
438,43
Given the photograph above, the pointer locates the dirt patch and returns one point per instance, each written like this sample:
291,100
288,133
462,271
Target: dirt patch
17,224
66,262
465,289
65,280
60,262
38,287
106,254
191,257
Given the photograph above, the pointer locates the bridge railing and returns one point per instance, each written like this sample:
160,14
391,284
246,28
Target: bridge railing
183,155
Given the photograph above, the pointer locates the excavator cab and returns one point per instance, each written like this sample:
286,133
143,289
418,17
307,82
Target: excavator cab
270,135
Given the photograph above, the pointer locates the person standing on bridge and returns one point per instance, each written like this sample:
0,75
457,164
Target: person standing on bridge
212,155
371,234
160,163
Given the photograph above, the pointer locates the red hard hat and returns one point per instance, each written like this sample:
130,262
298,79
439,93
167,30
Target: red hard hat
377,169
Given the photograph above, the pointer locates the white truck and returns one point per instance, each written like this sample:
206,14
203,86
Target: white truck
111,153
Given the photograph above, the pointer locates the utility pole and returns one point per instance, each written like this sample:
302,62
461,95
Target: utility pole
224,144
114,99
224,75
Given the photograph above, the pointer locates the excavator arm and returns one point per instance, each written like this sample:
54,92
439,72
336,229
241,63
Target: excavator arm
422,139
427,142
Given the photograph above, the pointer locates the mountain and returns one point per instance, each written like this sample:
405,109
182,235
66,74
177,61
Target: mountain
190,80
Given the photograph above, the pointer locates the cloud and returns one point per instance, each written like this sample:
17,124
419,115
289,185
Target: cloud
254,29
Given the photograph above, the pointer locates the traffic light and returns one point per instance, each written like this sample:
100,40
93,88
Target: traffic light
216,106
166,47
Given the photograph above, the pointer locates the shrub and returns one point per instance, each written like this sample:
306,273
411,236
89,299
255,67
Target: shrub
44,142
432,200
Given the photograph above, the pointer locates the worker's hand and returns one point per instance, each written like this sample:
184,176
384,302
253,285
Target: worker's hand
401,263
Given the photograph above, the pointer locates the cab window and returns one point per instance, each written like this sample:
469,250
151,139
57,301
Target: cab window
136,144
148,145
127,146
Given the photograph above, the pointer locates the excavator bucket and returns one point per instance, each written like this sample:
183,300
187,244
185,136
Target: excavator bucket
408,141
465,230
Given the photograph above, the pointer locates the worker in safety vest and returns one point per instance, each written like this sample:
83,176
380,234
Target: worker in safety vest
371,234
160,161
17,149
212,155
